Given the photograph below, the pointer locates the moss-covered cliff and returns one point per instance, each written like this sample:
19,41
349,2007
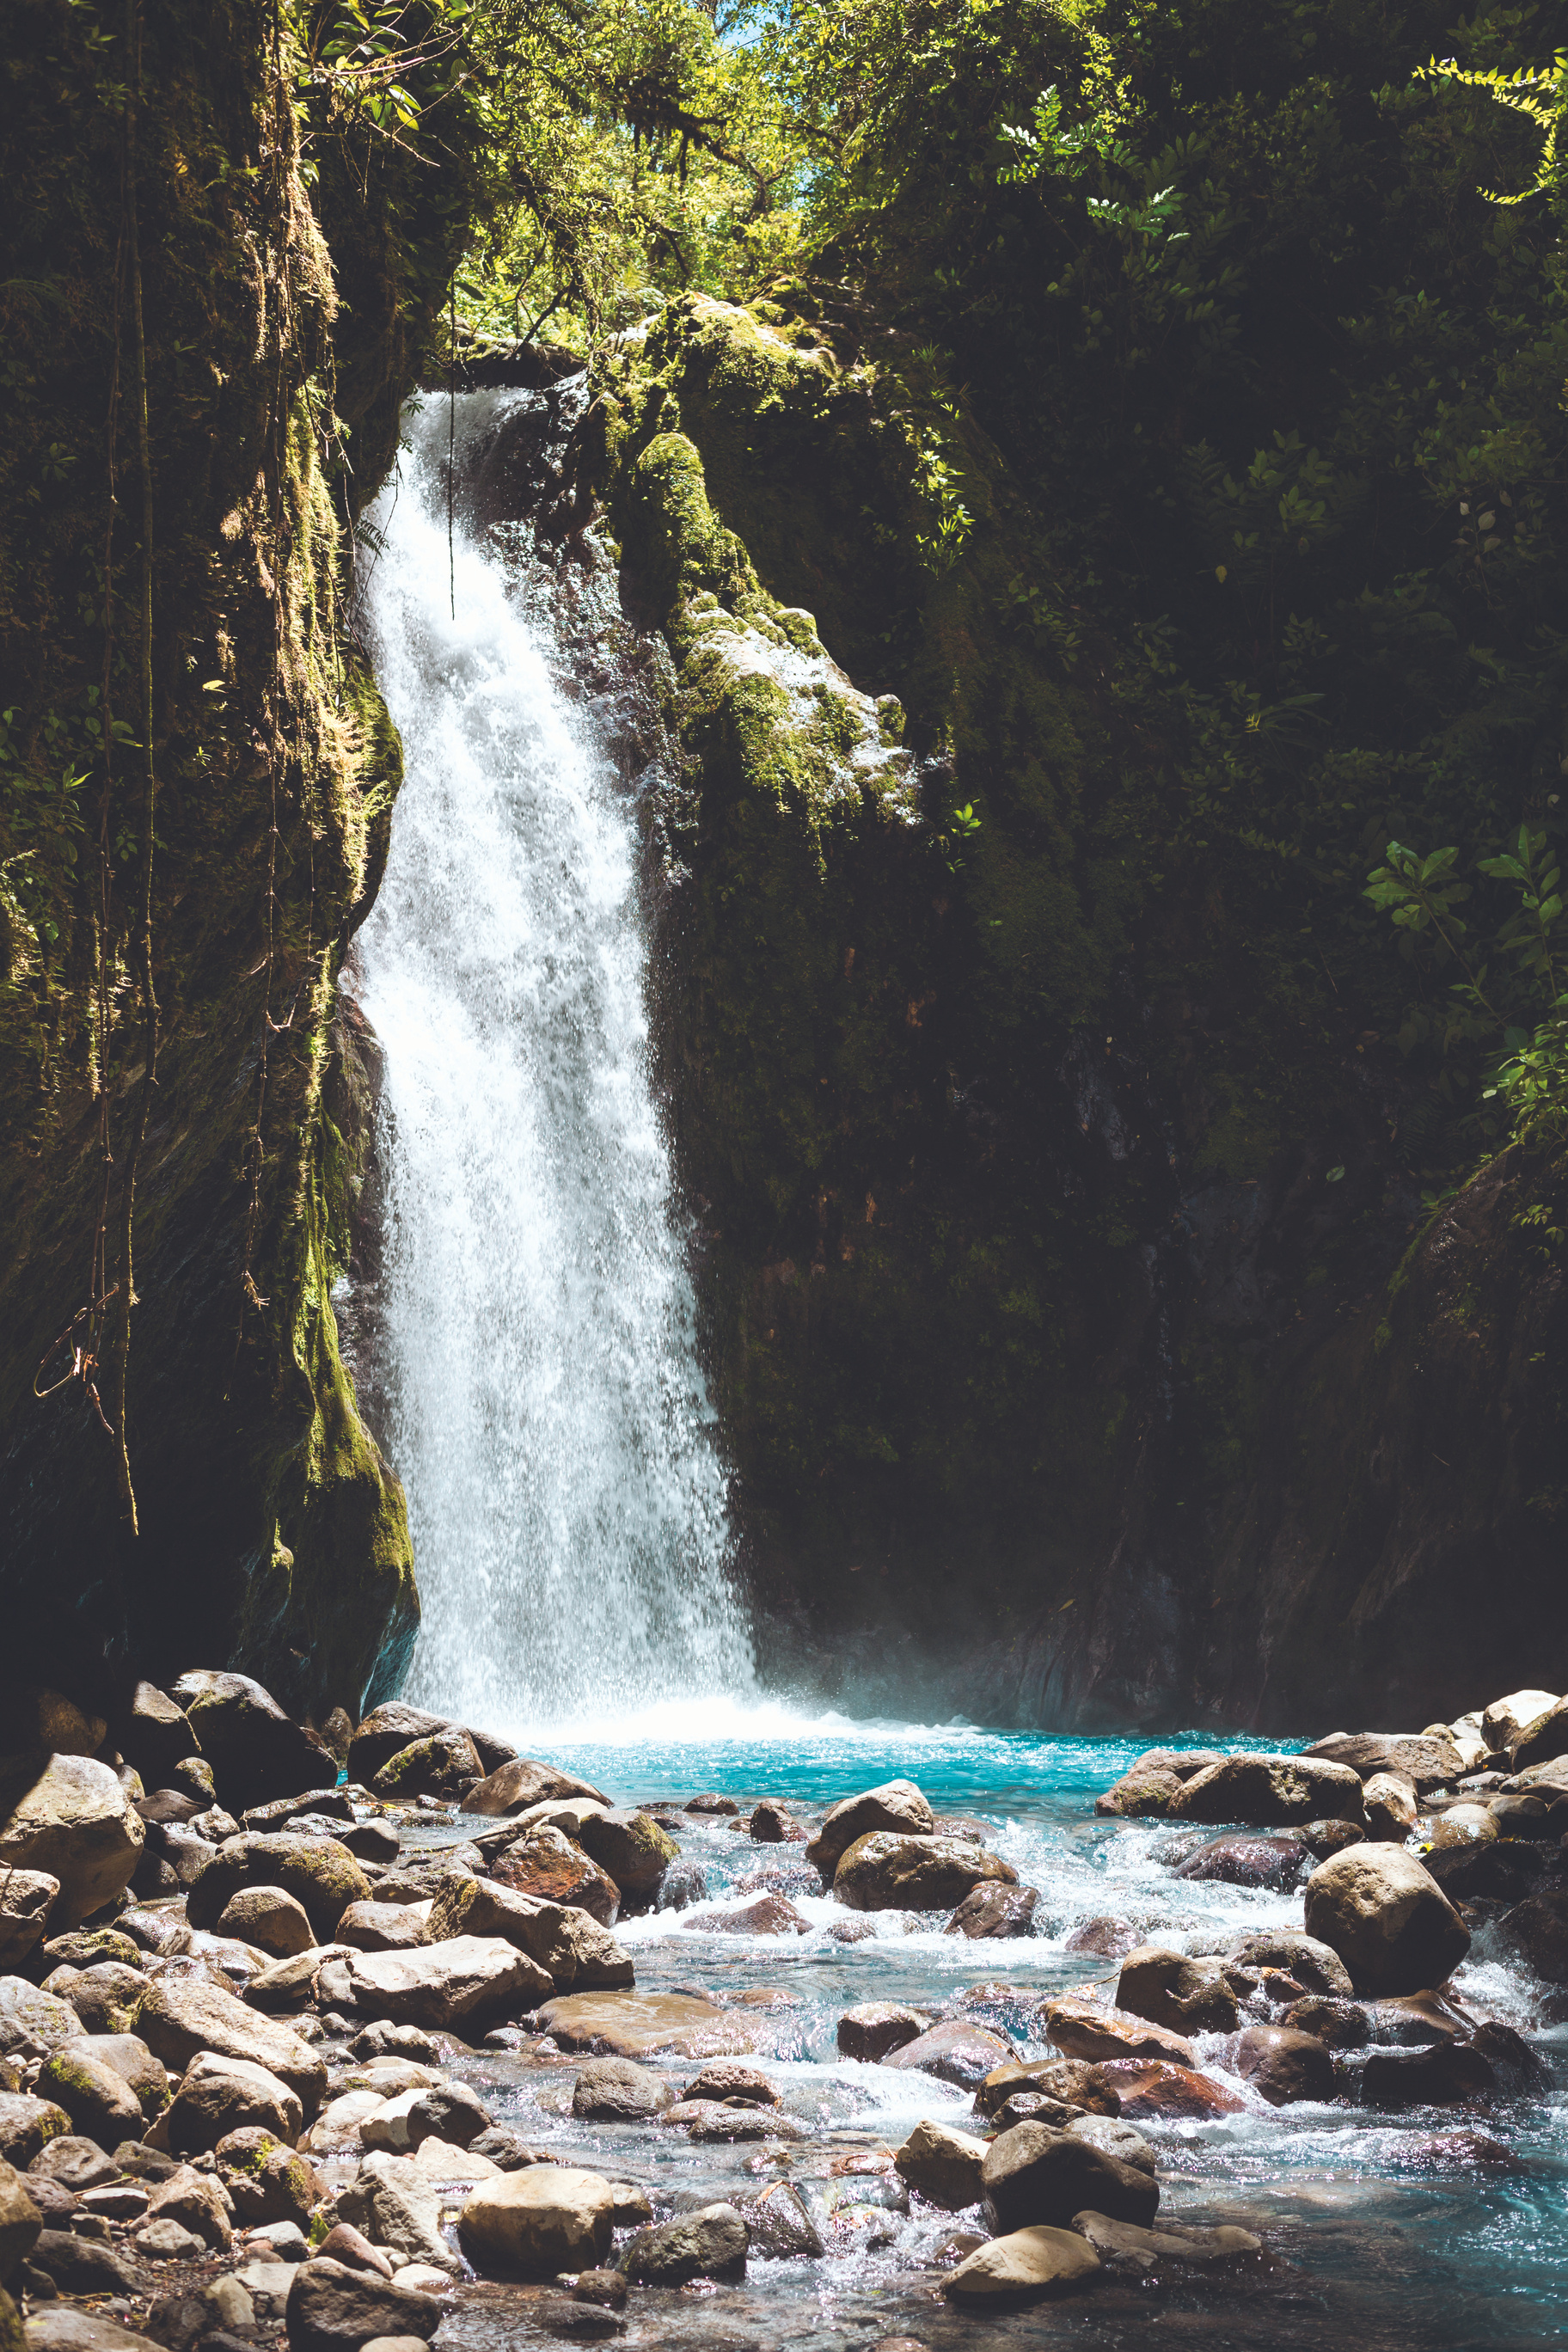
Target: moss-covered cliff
286,283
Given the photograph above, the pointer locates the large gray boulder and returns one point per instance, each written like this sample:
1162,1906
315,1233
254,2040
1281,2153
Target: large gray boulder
320,1873
32,2021
1271,1792
69,1818
884,1872
896,1806
1386,1918
564,1940
332,2308
465,1981
219,2096
545,2219
710,2243
256,1751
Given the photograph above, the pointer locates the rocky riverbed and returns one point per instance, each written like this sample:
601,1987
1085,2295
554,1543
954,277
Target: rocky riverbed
393,2033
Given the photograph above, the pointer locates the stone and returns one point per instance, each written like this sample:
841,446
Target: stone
76,2163
1461,1825
399,2207
443,1764
1283,2065
81,2265
1541,1742
873,2028
20,2220
617,2090
255,1751
1141,1794
1023,2266
635,2024
450,2112
1446,2074
1069,2081
118,2201
167,2240
1152,2087
896,1807
769,1914
709,2244
1390,1807
1189,1996
1240,1858
1084,2029
198,2201
221,2094
606,2288
332,2308
269,1917
269,2183
100,2103
63,2328
384,2040
774,1824
28,2124
288,1985
154,1733
28,1898
467,1981
385,1730
1035,2175
552,1868
1525,1817
955,2051
996,1909
104,1997
344,2244
1315,1964
632,1848
711,1803
507,2150
942,2164
521,1783
175,1855
1121,2244
1113,2137
1386,1918
319,1872
178,2017
1537,1929
385,1926
68,1818
729,2078
571,1946
884,1872
1270,1792
1108,1939
1506,1718
84,1948
1321,1839
545,2219
1339,2023
159,1928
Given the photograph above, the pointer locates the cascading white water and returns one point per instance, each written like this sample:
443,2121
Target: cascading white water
545,1406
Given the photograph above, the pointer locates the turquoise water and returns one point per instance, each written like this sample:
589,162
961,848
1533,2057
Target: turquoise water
1441,2227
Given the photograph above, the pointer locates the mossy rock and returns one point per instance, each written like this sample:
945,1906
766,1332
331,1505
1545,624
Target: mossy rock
321,1874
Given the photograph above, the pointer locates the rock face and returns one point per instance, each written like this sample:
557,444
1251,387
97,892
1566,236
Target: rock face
896,1806
332,2308
565,1941
467,1981
1034,2175
257,1752
882,1872
1270,1792
1188,1996
709,2244
520,1783
1023,2267
545,2219
179,2017
1386,1918
944,2164
69,1818
550,1866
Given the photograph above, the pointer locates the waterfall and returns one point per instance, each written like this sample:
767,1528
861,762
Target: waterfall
543,1400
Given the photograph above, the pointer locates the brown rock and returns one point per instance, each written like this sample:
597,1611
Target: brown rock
1314,1966
882,1872
1425,1762
68,1818
1284,2066
1270,1792
776,1825
153,1734
1108,1939
1541,1741
269,1919
255,1751
443,1764
955,2051
20,2220
26,1900
1022,2267
1141,1794
552,1868
1037,2176
1241,1858
1386,1918
1188,1996
521,1783
572,1949
1339,2023
1538,1930
710,1805
944,2165
632,1847
332,2308
1084,2029
996,1909
1390,1807
464,1982
320,1873
1444,2074
635,2024
179,2017
897,1807
1072,2082
876,2027
1151,2086
27,2126
769,1914
384,1926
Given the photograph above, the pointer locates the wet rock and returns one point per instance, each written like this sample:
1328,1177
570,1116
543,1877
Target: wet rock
632,1848
267,2181
955,2051
774,1824
399,2207
710,2243
683,1884
1107,1939
1270,1792
545,2219
730,2078
86,1948
220,2095
552,1868
180,2017
1152,2087
255,1751
385,1926
1034,2175
1122,2246
385,1730
779,2226
711,1804
1524,1817
873,2028
1189,1996
1033,2108
1390,1807
1388,1920
1144,1793
507,2150
1443,2074
996,1909
319,1872
1071,2081
1238,1859
443,1764
1424,1761
467,1981
332,2308
1314,1965
1283,2065
20,2220
1084,2029
1114,2138
1461,1825
769,1914
635,2024
944,2164
607,2288
1321,1839
26,1900
617,2090
68,1818
28,2124
100,2103
1025,2266
572,1949
104,1997
897,1807
1537,1929
882,1872
1338,2023
269,1917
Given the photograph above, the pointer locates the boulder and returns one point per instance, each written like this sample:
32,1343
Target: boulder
385,1730
708,1803
617,2090
633,1849
873,2028
154,1733
1444,2074
1313,1964
26,1901
82,2265
635,2024
1067,2081
897,1807
545,2219
1321,1839
1284,2066
84,1948
399,2207
20,2220
1426,1763
1270,1792
884,1872
571,1946
733,2079
1113,2137
319,1872
1122,2246
1340,2024
467,1981
1023,2266
709,2244
1084,2029
271,1919
344,2244
942,2164
334,2308
197,2201
1243,1858
68,1818
1145,1793
219,2096
1188,1996
1526,1817
1506,1718
1537,1929
100,2103
1389,1801
1386,1918
180,2017
443,1764
62,2327
1035,2175
1108,1939
552,1868
33,2021
521,1783
448,2112
1152,2087
779,2226
768,1914
387,1926
255,1751
955,2051
996,1909
1462,1825
104,1997
774,1824
28,2124
267,2181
